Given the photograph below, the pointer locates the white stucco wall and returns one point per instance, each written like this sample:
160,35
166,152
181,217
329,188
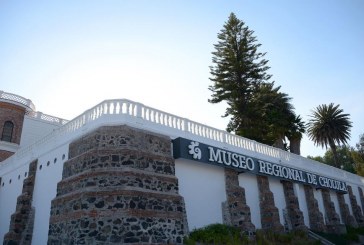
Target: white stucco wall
203,189
357,196
347,201
318,195
35,129
201,185
279,200
45,189
249,183
9,193
301,196
334,199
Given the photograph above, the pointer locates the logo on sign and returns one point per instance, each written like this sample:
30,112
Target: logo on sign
194,150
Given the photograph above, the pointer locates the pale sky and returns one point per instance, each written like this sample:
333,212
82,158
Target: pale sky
67,56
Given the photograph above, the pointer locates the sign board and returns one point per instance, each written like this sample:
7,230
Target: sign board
196,151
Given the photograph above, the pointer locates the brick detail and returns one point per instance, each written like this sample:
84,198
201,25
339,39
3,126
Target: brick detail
5,154
316,218
22,221
118,187
332,218
15,114
347,218
268,211
293,208
235,210
358,215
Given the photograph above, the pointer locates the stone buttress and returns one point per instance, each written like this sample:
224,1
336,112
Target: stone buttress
361,197
293,208
347,218
315,217
118,187
332,218
355,207
235,210
268,211
22,221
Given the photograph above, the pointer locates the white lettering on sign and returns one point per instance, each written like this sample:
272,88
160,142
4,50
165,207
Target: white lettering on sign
231,159
241,163
281,171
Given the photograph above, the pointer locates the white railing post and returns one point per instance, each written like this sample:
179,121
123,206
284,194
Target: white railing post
139,110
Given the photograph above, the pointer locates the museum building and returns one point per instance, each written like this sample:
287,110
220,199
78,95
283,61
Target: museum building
126,173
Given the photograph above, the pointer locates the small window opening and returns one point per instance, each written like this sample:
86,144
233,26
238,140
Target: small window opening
7,131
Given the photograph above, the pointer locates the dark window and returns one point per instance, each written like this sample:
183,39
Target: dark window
7,131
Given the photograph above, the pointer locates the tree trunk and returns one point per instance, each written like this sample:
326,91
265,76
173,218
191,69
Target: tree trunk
279,144
334,152
295,145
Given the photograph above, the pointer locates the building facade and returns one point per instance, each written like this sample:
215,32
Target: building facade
125,173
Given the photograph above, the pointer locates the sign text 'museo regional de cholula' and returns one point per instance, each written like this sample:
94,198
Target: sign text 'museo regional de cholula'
192,150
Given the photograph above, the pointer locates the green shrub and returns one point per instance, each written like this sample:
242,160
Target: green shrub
217,234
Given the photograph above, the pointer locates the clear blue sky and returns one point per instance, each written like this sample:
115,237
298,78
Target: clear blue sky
67,56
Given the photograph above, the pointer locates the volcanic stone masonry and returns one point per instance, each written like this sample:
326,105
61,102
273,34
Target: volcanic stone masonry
356,208
361,197
347,218
293,208
118,187
268,211
235,210
22,221
332,218
315,217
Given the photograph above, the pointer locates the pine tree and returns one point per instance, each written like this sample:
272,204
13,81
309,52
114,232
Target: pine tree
257,109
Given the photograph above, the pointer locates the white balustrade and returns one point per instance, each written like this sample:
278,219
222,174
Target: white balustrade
16,98
125,111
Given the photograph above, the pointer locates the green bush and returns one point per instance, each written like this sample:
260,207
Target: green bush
217,234
227,235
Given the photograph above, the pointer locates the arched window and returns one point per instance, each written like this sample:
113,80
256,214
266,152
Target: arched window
7,131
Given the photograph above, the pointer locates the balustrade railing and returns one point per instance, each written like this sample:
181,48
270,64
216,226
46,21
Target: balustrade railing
29,104
45,117
126,111
16,98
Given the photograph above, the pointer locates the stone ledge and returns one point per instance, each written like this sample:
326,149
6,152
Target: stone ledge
98,159
119,178
116,213
119,136
113,191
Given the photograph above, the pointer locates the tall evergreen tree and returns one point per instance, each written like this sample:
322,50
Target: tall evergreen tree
329,126
238,68
257,109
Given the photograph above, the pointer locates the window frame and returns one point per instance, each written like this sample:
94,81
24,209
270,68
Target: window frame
8,130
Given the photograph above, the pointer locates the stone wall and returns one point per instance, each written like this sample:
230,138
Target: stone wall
332,218
347,218
118,187
293,209
316,218
356,208
235,210
22,221
268,211
361,198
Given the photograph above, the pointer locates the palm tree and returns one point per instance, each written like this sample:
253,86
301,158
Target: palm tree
329,126
294,134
